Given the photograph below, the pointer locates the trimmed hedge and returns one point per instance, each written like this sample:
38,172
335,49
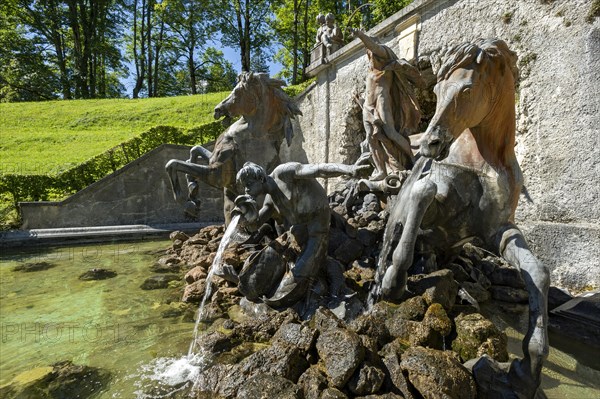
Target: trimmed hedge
24,187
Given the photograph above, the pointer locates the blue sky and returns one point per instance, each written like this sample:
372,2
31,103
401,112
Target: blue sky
231,54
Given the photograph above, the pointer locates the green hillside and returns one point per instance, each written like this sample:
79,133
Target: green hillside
48,137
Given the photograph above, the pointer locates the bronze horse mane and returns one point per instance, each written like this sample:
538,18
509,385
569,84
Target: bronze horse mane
465,54
281,108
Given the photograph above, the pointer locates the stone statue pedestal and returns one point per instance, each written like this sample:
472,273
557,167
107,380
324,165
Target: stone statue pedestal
318,53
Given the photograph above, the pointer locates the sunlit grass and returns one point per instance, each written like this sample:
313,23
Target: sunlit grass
45,137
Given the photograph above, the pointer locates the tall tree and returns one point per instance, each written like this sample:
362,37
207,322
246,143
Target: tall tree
46,22
215,72
94,25
190,26
77,38
295,29
244,24
139,41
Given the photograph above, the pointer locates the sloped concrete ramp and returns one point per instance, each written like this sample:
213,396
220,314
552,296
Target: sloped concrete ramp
137,194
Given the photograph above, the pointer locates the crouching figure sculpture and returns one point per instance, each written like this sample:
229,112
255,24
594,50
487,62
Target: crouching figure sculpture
266,112
466,185
299,206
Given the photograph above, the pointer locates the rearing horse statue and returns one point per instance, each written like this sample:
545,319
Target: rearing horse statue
266,112
467,184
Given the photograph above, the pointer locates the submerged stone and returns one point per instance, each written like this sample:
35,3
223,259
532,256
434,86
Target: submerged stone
97,274
34,267
159,281
63,380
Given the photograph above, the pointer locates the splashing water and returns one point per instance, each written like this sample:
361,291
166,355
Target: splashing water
208,290
170,375
166,375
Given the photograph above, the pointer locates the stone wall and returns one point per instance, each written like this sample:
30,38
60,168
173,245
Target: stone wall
558,108
138,193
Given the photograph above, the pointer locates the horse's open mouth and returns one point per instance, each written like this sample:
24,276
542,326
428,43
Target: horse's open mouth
220,113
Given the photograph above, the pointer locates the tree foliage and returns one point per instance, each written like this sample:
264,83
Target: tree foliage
386,8
84,48
24,74
295,26
244,25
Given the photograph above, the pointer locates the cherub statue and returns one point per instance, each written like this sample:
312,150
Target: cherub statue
331,36
321,24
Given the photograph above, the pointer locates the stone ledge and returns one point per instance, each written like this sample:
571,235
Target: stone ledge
94,234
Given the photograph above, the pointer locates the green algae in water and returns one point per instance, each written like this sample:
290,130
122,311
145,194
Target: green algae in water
50,315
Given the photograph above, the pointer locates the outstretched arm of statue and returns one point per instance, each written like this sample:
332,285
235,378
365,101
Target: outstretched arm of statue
376,48
327,170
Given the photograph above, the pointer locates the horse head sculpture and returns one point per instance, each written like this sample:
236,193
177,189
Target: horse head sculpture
265,112
474,85
260,99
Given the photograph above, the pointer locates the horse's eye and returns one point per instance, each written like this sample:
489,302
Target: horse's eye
466,91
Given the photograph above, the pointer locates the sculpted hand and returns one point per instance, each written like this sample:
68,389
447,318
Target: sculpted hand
361,170
353,31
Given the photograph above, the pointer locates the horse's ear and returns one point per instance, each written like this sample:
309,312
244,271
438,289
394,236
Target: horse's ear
480,55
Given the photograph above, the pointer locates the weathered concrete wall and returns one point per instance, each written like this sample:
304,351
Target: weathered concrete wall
139,193
558,112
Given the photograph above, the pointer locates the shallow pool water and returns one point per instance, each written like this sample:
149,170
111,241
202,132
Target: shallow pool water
572,370
50,315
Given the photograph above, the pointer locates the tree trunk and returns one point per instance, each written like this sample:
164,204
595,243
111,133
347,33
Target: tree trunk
139,57
248,58
150,76
85,61
62,67
192,70
77,48
158,46
240,27
295,45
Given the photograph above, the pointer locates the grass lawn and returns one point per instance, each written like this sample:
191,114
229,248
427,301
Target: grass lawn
49,137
